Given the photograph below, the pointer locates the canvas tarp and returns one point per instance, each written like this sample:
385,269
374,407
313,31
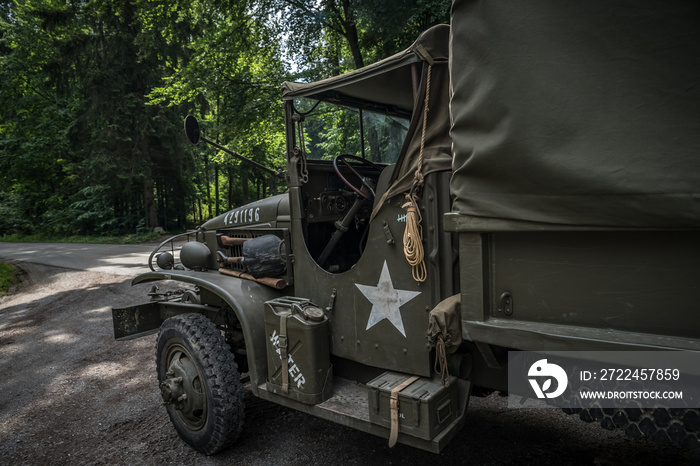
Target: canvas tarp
577,113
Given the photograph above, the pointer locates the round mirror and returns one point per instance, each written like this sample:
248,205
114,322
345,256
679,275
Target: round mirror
192,129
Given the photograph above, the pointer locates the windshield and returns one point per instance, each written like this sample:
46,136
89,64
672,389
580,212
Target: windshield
330,130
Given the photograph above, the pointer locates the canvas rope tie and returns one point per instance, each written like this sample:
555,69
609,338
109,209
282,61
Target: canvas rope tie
440,366
413,235
419,170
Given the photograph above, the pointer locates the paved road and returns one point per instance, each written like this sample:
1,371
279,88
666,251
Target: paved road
118,259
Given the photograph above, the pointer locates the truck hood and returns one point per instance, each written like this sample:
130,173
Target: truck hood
271,212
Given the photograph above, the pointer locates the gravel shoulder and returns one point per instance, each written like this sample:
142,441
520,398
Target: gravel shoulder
70,394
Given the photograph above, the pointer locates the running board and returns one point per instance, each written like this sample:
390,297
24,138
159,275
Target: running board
349,406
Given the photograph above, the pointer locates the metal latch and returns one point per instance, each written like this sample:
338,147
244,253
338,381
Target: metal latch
505,305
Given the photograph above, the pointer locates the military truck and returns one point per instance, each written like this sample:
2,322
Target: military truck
524,179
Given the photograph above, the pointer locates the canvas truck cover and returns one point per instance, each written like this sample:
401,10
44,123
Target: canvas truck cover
387,82
576,113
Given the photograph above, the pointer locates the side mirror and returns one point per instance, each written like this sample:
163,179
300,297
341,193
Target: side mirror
194,134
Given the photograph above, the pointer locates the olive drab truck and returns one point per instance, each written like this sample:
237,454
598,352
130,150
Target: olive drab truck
526,178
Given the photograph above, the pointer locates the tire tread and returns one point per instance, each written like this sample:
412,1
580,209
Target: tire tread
221,376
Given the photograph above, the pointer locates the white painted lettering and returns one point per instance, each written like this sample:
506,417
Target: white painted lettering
294,370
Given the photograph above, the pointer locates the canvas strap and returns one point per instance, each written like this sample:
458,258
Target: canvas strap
440,366
394,405
284,355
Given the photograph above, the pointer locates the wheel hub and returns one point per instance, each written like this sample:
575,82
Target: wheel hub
172,393
183,388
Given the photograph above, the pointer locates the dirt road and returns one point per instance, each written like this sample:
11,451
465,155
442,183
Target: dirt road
70,394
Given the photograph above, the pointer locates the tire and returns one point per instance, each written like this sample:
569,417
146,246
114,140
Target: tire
194,360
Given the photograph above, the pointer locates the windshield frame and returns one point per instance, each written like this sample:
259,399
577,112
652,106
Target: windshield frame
365,116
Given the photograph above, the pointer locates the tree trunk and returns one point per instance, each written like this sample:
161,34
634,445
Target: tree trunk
216,188
350,33
149,203
375,156
353,42
230,188
206,182
244,185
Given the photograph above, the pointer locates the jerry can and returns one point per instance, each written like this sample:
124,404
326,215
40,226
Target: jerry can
298,350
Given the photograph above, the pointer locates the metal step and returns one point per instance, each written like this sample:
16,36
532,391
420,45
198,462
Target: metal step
349,406
349,399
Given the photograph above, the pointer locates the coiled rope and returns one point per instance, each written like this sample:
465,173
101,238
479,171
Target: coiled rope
413,235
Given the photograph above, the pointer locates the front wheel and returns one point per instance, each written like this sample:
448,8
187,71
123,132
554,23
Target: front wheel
199,382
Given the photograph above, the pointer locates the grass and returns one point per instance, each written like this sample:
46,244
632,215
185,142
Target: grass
8,276
133,238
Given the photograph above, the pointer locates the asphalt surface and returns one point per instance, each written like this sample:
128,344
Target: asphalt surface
117,259
70,394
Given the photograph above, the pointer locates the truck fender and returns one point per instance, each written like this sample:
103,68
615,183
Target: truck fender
246,298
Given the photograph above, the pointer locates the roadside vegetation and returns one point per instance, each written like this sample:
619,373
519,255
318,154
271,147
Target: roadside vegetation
8,277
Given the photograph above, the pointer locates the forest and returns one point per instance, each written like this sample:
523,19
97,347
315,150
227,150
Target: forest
93,95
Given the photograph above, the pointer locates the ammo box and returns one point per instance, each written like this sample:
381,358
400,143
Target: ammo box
298,331
425,406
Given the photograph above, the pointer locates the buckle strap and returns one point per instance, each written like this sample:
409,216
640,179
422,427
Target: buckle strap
284,355
394,405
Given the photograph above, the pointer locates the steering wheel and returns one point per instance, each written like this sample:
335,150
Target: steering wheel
343,158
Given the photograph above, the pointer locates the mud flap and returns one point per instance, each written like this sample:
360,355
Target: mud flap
136,321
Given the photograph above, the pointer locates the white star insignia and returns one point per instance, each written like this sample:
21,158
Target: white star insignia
386,301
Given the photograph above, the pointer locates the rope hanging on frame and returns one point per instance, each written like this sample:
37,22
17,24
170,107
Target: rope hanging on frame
413,235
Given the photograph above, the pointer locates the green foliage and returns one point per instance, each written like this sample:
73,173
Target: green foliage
11,204
8,277
93,94
329,37
80,142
